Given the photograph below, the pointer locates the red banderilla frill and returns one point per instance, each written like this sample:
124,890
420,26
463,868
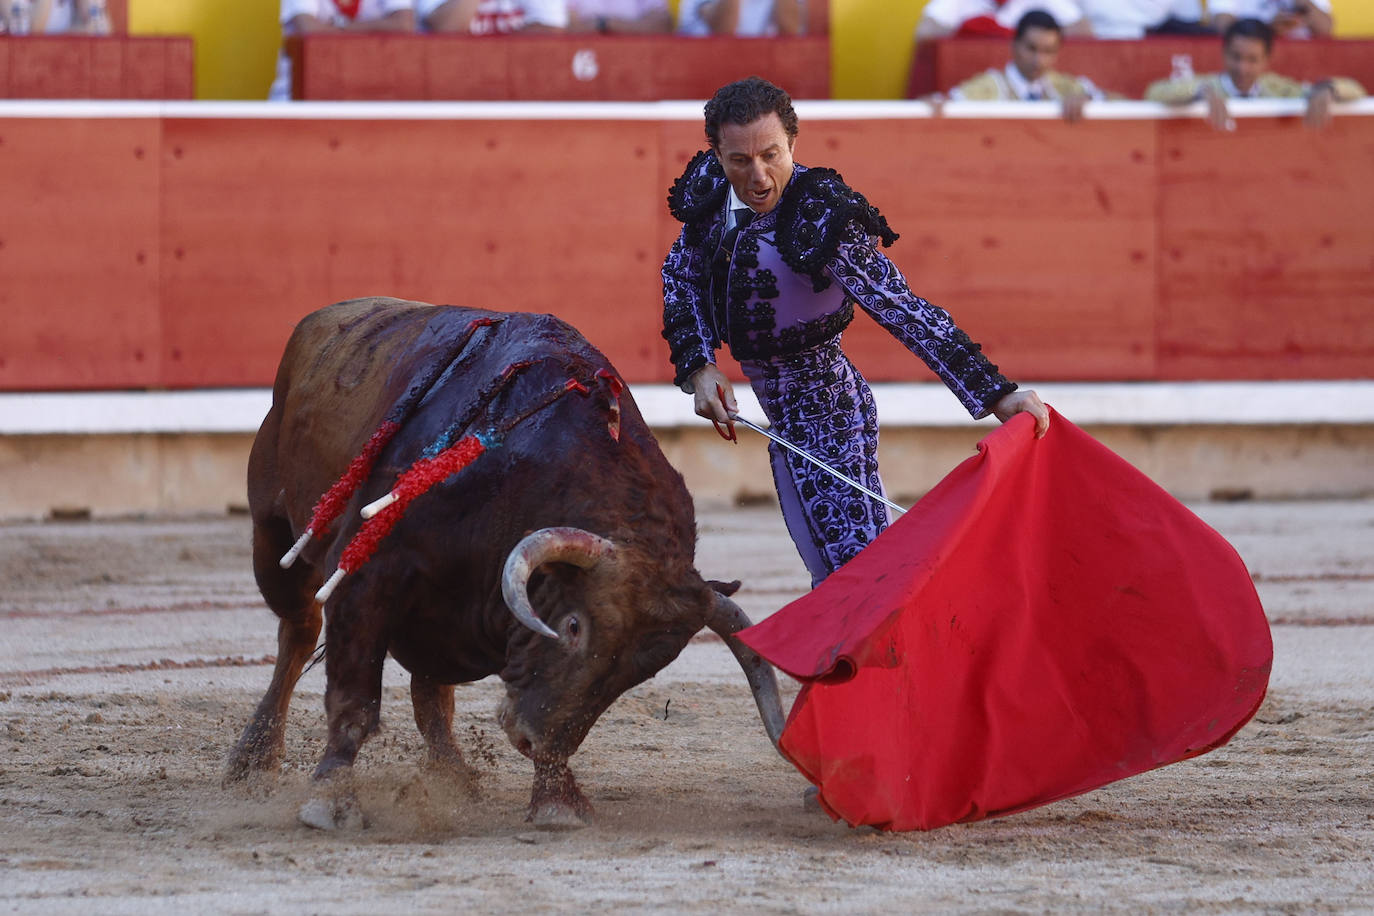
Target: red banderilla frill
383,514
418,478
331,504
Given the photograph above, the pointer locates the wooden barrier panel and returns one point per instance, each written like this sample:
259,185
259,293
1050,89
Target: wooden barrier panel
79,277
179,251
1039,238
90,67
372,67
267,220
1128,67
1266,261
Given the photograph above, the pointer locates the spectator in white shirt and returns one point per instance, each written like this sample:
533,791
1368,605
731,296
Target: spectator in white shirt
1131,19
620,17
745,18
1289,18
55,17
493,17
306,17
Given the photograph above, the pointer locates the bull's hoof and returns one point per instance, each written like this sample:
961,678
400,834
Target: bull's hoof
238,772
556,802
559,815
250,758
338,813
235,772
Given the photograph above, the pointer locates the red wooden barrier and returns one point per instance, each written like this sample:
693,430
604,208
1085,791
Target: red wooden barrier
1038,238
118,11
1128,67
266,220
90,67
79,278
549,68
1266,263
179,252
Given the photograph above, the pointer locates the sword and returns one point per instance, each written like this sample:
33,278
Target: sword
817,462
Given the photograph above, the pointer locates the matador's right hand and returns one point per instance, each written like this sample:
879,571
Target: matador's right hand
714,397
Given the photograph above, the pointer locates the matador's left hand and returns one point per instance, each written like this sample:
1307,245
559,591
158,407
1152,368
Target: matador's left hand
1024,401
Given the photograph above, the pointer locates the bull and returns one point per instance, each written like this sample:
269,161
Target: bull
560,558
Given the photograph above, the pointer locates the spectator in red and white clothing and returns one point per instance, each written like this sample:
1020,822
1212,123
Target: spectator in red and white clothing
620,17
1096,18
305,17
994,18
493,17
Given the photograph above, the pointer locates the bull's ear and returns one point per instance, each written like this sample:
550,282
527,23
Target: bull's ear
723,588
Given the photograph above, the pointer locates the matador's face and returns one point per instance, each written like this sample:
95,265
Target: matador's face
757,158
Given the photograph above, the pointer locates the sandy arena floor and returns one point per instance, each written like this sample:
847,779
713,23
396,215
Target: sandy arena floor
132,652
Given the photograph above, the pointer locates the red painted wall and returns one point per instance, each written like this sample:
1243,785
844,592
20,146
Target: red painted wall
180,252
90,67
369,67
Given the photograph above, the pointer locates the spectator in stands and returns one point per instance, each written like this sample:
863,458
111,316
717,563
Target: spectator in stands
1246,48
746,18
493,17
1088,18
1132,19
305,17
51,17
1030,75
981,18
620,17
1290,18
16,17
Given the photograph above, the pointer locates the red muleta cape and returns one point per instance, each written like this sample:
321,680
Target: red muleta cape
1045,621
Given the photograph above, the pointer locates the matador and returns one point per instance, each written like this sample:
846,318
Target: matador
771,260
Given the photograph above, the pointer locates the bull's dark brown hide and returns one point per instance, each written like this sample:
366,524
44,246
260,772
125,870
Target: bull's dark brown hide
431,596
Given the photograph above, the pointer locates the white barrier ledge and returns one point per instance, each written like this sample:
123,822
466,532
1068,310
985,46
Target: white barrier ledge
665,407
818,110
1344,403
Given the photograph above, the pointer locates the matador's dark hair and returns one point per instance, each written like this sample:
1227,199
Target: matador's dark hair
1250,28
744,102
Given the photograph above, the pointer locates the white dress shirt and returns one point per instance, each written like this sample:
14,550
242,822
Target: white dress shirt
501,16
1130,18
755,18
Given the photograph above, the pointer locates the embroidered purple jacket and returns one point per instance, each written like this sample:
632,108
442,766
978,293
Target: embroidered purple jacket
794,277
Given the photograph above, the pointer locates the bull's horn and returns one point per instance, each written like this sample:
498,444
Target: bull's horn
726,619
547,545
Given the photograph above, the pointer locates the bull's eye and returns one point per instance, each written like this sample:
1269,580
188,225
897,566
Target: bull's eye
574,625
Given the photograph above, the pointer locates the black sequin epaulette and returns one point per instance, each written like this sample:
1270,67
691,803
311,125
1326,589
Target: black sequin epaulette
812,217
701,190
